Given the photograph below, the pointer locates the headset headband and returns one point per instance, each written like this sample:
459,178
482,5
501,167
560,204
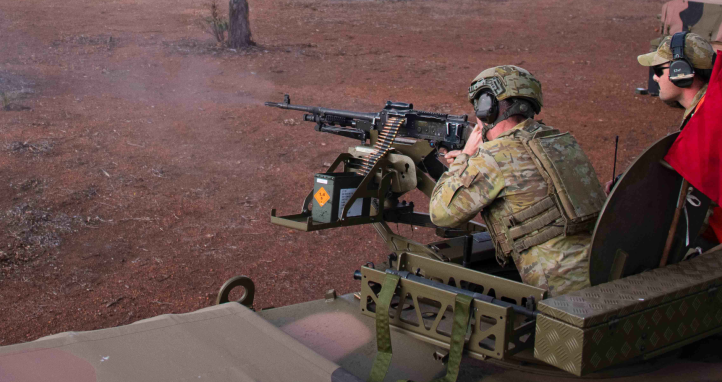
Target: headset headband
677,45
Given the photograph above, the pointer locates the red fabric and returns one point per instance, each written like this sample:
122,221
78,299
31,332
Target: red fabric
697,152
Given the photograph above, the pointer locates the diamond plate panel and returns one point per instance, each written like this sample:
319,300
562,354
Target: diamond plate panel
553,337
654,339
625,349
619,298
570,368
669,313
639,344
572,344
611,353
642,322
696,304
681,329
683,308
656,317
596,359
568,356
619,338
668,334
551,359
628,326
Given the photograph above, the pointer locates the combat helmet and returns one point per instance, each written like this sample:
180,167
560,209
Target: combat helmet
508,81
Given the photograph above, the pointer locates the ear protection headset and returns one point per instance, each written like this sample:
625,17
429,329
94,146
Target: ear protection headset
487,110
681,72
487,107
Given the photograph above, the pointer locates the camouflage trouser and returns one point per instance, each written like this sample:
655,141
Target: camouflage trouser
561,265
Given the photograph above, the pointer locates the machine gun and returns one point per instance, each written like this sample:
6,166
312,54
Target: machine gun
398,153
440,130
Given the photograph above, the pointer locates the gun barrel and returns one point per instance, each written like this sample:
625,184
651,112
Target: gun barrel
324,111
516,308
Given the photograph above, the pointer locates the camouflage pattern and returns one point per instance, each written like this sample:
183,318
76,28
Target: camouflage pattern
502,178
708,22
563,264
693,106
576,183
514,81
697,50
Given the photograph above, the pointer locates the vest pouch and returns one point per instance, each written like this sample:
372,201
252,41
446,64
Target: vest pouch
576,186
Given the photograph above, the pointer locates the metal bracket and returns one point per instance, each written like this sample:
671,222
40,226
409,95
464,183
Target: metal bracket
234,282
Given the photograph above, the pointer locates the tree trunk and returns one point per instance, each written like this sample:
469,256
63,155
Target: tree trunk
239,29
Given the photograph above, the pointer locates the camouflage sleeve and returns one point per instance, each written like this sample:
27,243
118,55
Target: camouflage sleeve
470,184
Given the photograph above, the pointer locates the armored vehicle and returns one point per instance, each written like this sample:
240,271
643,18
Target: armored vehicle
441,311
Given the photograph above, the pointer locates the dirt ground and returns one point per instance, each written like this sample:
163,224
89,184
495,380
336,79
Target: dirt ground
139,167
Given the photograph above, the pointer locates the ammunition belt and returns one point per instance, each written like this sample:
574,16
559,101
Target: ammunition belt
385,139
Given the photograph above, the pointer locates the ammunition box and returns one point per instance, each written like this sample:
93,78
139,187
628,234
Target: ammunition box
331,191
637,317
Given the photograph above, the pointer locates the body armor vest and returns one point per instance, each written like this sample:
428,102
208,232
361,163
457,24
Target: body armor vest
574,199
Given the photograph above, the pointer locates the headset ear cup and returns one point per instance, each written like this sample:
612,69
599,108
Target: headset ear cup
681,73
487,108
494,112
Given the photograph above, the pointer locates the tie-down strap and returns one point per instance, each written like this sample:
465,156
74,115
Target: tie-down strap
383,333
462,308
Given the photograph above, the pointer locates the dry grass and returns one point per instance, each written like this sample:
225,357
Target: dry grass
40,147
31,231
215,24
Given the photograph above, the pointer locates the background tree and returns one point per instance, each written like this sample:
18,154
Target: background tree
239,29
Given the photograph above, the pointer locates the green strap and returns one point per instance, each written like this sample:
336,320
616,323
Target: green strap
383,334
462,308
458,336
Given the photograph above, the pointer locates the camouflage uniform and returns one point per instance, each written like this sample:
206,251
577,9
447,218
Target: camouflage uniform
502,178
693,106
700,54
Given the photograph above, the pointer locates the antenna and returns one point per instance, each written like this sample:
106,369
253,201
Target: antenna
614,168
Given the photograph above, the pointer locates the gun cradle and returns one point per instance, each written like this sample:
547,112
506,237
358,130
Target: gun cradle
401,167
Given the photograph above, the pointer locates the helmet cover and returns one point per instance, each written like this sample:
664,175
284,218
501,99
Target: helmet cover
508,81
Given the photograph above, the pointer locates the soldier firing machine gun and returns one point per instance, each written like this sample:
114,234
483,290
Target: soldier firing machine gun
398,153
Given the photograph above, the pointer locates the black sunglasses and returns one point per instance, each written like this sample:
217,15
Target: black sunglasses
659,70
